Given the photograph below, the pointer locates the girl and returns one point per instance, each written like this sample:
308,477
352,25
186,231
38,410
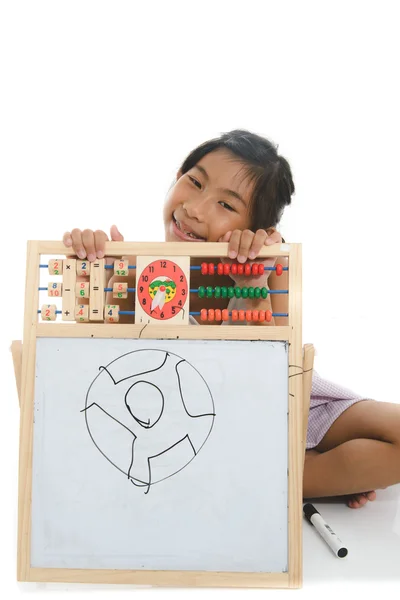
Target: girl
234,189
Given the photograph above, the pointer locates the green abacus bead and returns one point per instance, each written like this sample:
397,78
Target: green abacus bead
202,291
257,292
264,292
209,292
251,292
231,292
238,292
217,292
245,292
224,291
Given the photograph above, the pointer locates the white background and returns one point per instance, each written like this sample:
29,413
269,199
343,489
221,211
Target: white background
101,102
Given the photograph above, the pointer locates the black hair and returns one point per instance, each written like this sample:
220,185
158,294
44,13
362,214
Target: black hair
270,173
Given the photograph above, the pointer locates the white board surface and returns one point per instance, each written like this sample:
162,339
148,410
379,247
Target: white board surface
160,454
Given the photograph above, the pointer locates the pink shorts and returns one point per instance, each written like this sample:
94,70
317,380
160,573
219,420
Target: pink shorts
328,401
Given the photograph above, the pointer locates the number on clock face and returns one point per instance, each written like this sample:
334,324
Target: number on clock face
162,289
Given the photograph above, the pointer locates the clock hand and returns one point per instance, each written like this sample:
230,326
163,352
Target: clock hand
159,298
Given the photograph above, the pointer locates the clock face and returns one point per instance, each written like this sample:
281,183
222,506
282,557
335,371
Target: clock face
162,289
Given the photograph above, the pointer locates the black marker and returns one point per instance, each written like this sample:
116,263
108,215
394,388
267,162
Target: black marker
330,537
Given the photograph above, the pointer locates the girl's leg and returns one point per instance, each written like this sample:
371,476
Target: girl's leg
360,452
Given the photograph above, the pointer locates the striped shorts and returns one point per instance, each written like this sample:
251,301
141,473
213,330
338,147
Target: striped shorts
328,401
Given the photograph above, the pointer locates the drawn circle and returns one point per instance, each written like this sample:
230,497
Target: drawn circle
130,378
162,289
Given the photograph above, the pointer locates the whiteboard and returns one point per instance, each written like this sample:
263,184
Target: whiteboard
160,455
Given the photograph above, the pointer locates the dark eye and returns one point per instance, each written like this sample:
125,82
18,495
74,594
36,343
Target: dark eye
227,206
196,183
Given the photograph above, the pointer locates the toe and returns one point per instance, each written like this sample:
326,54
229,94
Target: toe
357,501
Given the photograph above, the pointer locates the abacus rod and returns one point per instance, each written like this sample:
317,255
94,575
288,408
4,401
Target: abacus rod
192,291
132,312
192,268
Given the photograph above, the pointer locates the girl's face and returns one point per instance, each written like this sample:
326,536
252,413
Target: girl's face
209,200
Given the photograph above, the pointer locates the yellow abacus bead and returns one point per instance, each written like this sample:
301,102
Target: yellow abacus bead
120,290
54,289
56,266
83,268
82,313
48,312
82,289
121,267
111,313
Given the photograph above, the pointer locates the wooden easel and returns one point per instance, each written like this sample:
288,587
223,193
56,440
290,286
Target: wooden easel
300,378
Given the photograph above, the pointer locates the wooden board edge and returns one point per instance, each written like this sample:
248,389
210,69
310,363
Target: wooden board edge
160,578
295,434
308,366
26,414
206,249
181,332
16,351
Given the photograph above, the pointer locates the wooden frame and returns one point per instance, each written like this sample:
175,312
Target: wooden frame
291,333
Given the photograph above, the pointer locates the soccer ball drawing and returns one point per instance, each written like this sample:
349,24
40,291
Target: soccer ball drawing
149,412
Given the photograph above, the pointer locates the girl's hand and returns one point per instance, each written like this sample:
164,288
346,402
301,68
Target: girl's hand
247,244
90,243
244,245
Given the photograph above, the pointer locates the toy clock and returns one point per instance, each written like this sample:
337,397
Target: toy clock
162,289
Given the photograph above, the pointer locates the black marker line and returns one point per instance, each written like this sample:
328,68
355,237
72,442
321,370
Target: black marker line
128,407
133,452
163,452
91,437
183,402
144,484
108,415
136,374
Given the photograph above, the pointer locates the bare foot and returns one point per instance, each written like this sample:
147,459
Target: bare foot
359,500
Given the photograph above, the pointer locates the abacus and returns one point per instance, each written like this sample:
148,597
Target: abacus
162,292
159,307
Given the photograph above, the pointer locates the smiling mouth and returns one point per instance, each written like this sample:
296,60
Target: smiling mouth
188,233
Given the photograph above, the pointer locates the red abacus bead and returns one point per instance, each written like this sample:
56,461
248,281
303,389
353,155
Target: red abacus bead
225,315
220,269
234,315
268,315
249,315
261,269
254,269
242,315
211,268
211,314
261,316
240,269
247,269
227,269
279,269
204,268
203,314
255,315
234,269
218,314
